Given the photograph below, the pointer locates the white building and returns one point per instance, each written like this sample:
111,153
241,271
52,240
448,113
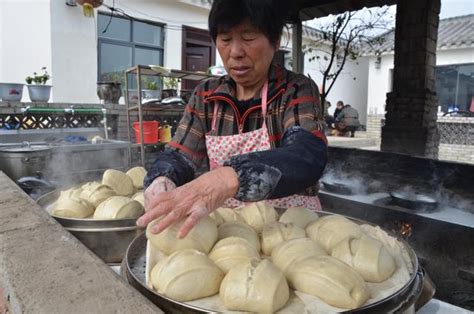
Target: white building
454,67
351,84
76,51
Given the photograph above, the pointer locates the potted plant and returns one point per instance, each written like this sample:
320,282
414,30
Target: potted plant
151,90
170,85
37,88
109,88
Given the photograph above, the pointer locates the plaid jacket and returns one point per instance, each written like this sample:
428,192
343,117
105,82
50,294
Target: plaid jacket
293,101
294,114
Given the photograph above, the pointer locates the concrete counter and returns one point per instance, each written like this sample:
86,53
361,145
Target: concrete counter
44,269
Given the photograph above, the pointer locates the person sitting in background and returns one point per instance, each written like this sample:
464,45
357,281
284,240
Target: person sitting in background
339,107
347,120
327,117
330,120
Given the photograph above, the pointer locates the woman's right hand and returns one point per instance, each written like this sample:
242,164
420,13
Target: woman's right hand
159,185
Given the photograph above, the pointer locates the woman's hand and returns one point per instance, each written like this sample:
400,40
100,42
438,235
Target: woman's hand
193,200
159,185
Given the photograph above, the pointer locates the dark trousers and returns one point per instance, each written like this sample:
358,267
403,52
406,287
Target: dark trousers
344,129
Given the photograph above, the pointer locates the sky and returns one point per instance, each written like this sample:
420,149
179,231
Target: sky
449,8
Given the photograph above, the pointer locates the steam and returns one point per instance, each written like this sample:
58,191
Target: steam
73,163
358,184
368,189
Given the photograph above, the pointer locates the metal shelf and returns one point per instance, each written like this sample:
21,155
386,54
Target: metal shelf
183,75
140,70
146,145
167,108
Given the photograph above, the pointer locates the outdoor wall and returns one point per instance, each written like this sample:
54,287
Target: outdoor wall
74,54
457,56
350,86
380,80
456,143
379,83
50,33
25,45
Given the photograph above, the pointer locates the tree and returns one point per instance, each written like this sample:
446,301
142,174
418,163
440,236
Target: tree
343,38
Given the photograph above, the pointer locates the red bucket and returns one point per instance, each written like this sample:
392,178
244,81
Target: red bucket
150,132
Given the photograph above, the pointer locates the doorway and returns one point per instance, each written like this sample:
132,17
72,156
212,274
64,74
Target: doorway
199,53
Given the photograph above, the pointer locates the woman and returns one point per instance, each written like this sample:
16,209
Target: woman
260,126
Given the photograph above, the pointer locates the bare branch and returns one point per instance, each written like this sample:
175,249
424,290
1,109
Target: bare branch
342,41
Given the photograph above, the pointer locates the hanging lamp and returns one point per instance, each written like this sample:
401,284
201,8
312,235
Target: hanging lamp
88,6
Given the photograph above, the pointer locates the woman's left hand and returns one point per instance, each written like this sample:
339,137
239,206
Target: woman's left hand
193,200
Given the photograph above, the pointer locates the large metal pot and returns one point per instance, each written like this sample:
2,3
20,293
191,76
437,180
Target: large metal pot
24,160
108,239
403,301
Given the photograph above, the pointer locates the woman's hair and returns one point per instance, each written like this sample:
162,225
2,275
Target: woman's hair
268,16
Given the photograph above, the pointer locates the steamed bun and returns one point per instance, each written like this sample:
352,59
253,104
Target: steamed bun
330,230
285,254
95,193
137,174
367,256
232,251
202,237
119,207
71,205
255,286
274,234
119,182
225,214
329,279
239,229
299,216
186,275
259,214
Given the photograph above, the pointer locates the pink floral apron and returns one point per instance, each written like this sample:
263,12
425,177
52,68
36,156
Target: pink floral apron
222,148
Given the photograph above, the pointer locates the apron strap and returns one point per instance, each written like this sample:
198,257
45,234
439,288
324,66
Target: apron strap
214,117
264,103
264,107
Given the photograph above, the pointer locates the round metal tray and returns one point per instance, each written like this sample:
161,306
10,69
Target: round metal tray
337,187
133,270
414,201
108,239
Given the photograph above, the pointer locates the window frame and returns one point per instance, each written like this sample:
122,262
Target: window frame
445,107
133,45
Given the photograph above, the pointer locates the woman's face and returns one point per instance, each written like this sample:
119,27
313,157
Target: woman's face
247,54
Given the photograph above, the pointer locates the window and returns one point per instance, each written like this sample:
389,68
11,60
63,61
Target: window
126,43
455,87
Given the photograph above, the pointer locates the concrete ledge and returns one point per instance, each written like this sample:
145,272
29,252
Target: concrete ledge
44,269
12,201
351,142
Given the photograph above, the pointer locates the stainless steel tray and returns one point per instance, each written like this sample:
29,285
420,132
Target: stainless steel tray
108,239
133,270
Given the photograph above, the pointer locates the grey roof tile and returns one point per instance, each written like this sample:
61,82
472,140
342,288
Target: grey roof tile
454,32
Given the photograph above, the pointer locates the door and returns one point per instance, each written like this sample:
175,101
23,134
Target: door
197,59
198,53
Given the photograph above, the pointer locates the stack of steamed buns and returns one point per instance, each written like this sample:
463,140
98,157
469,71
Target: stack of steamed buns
252,258
118,196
